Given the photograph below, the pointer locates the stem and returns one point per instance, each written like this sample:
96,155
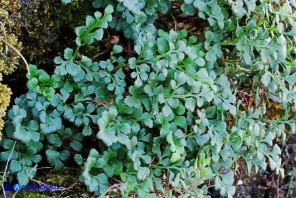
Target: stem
119,67
244,44
167,167
75,52
183,96
165,54
188,135
26,63
4,174
277,121
228,43
285,15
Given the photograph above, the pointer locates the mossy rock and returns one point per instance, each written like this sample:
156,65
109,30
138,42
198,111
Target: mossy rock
9,43
9,57
63,179
46,27
31,194
5,94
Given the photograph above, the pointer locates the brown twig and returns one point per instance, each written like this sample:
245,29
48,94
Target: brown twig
14,194
101,53
8,44
38,182
98,102
244,93
67,188
278,187
113,188
129,50
259,187
175,22
48,167
231,61
23,58
287,160
59,189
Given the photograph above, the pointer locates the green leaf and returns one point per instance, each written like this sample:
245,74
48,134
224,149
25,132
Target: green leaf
77,146
227,178
44,77
68,53
97,14
175,157
109,9
22,178
107,137
22,134
166,110
180,121
143,172
180,110
200,62
188,9
52,155
182,78
15,166
126,128
8,143
291,79
87,131
190,104
117,49
188,1
72,68
135,127
33,125
80,31
90,21
103,182
66,1
98,35
162,45
64,155
54,139
146,118
78,159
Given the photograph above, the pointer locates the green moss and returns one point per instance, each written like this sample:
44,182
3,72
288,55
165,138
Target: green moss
31,194
274,111
65,178
5,94
9,58
44,27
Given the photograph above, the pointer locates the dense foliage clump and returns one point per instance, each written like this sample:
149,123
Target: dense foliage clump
178,111
39,26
